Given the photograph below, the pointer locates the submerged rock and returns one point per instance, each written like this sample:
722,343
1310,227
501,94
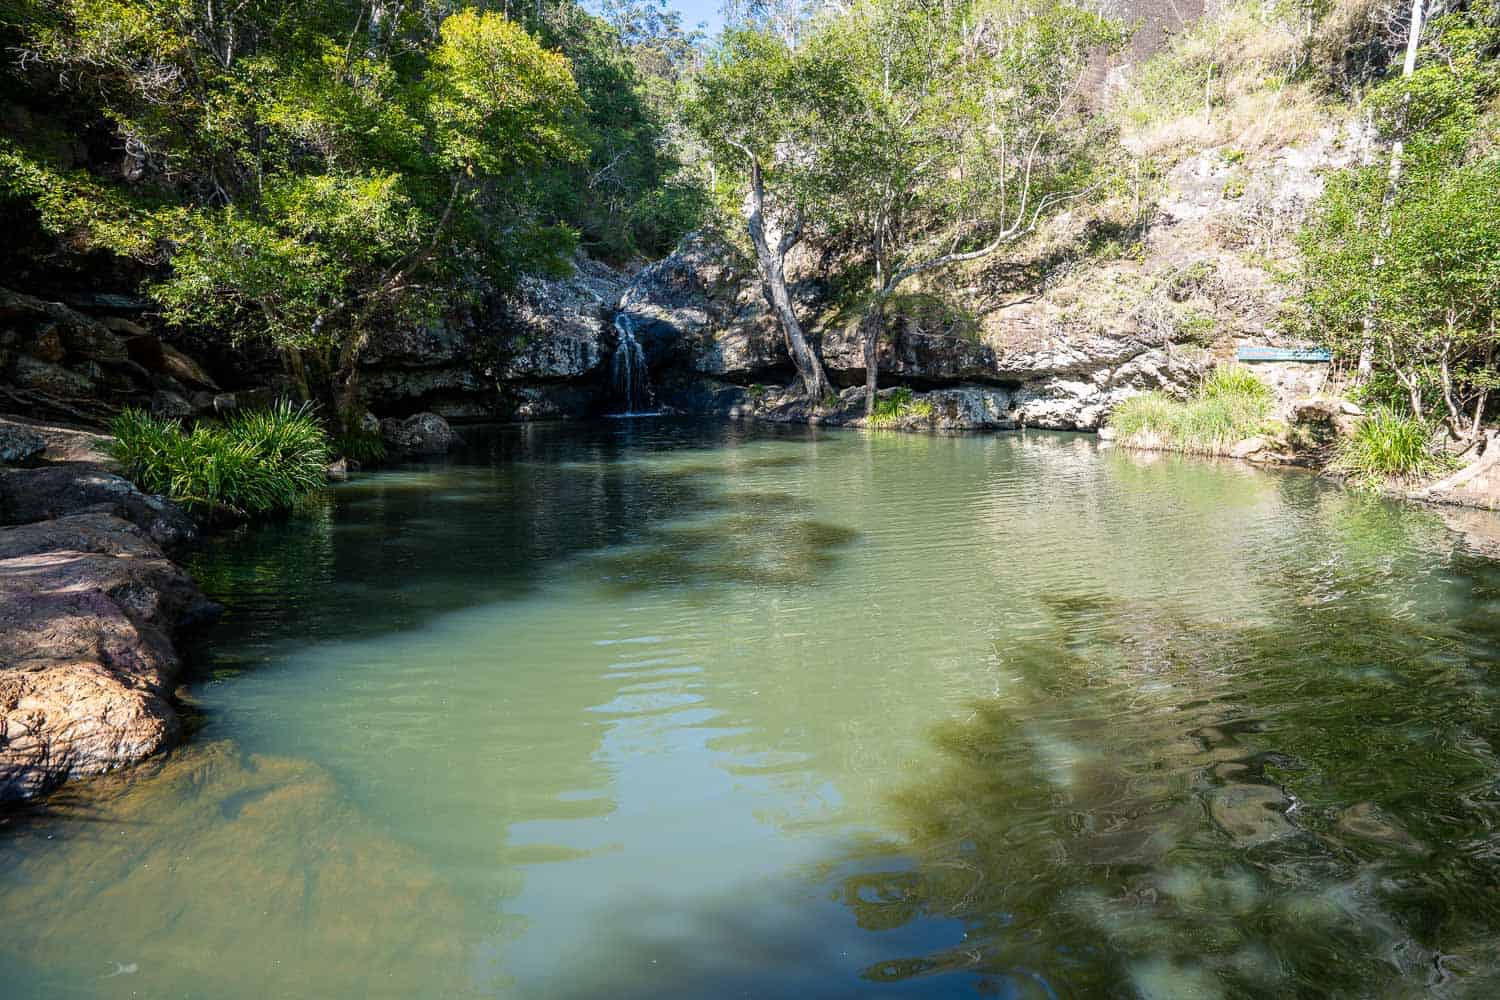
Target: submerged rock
181,852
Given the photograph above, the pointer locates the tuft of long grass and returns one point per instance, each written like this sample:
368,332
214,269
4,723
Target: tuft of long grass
1389,445
896,407
1231,405
255,462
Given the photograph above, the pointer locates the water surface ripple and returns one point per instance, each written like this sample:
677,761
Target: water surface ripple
650,709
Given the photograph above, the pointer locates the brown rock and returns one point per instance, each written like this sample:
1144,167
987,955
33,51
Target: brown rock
160,358
145,350
82,336
184,369
87,607
48,346
65,444
121,325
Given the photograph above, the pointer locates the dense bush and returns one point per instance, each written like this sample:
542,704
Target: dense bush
1231,405
1389,444
253,463
301,173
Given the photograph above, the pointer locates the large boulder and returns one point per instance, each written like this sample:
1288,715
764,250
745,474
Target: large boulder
43,376
419,434
28,495
88,604
558,329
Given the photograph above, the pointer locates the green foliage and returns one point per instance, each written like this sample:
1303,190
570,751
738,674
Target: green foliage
1237,383
898,406
253,463
1388,444
305,171
1231,405
1413,272
635,193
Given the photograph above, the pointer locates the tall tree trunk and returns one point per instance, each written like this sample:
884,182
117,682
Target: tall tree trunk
346,401
772,261
295,366
1392,186
871,326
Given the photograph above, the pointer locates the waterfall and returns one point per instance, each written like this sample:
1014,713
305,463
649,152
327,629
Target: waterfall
627,370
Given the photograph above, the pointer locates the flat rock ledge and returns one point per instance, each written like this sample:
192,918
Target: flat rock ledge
89,603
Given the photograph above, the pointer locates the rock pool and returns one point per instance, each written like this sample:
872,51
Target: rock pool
660,709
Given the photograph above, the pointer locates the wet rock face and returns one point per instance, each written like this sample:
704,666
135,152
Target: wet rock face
700,313
499,358
88,603
701,310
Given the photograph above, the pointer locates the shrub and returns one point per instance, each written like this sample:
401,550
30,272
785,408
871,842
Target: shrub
254,463
1231,405
1386,445
896,407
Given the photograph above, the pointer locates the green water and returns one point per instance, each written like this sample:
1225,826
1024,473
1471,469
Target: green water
644,709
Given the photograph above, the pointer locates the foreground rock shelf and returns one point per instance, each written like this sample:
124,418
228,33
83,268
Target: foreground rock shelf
89,603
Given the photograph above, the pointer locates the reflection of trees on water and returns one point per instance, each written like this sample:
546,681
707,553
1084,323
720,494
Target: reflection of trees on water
391,551
1181,810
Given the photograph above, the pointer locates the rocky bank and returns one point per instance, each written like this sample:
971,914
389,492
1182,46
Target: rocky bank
89,603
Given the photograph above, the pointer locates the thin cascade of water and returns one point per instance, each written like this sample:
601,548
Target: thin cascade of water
629,374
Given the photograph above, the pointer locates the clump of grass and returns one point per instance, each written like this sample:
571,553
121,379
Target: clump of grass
898,406
358,445
1389,445
1231,405
256,462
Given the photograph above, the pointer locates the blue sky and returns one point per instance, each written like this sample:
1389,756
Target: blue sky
694,11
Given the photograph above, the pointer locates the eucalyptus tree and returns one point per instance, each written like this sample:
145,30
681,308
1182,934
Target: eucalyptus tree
925,134
961,130
765,112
